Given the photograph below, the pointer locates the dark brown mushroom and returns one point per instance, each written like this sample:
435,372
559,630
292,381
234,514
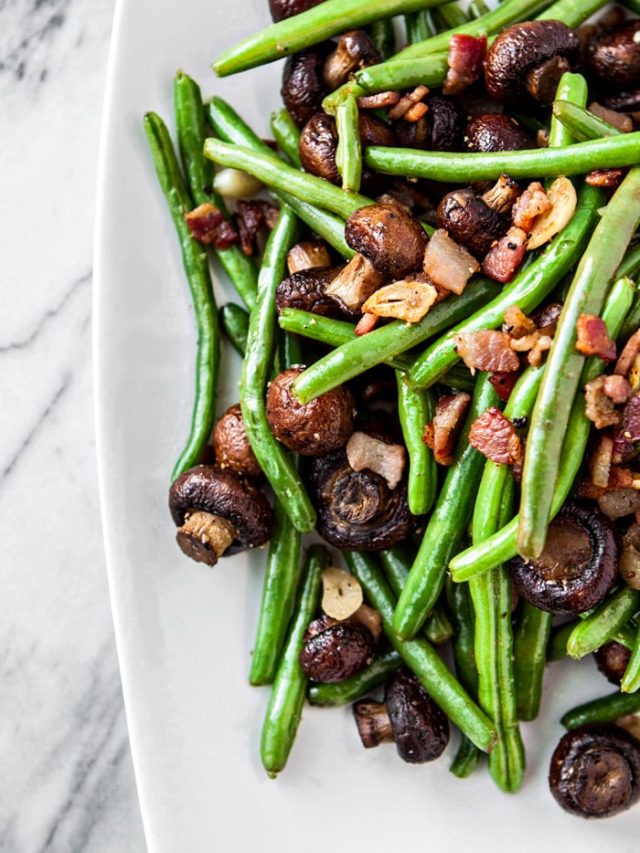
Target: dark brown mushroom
624,102
528,59
496,132
388,236
408,716
281,9
612,660
334,652
356,510
613,56
375,132
308,255
231,445
441,129
311,429
471,222
306,290
219,513
303,88
354,51
578,566
595,771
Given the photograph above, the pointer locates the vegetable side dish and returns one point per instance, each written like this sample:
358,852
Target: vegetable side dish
437,257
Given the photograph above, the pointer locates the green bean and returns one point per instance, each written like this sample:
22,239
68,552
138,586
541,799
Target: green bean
446,525
393,75
607,709
287,135
196,266
582,124
383,36
289,687
418,26
477,8
564,365
235,324
630,266
572,92
349,150
309,28
632,323
415,410
560,637
632,5
450,16
461,609
631,679
601,626
527,291
438,628
190,120
230,127
274,461
572,12
500,547
420,656
466,760
355,357
358,685
612,152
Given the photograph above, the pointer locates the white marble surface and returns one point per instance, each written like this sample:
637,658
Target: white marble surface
66,781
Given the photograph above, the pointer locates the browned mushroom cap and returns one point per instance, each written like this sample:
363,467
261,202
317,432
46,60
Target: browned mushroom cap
420,729
375,132
218,513
578,566
281,9
595,771
306,290
313,428
530,58
231,445
612,660
496,132
613,57
303,88
442,129
318,146
337,652
471,222
388,237
356,510
354,51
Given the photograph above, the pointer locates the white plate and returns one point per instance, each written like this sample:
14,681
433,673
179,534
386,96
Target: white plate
184,633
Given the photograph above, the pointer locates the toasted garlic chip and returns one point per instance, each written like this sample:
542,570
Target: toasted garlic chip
407,300
341,593
562,195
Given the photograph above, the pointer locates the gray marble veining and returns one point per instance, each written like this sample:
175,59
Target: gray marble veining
67,783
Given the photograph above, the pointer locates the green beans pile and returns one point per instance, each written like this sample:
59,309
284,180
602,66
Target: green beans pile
479,523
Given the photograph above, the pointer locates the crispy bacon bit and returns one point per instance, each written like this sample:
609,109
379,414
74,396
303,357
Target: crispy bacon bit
563,200
628,355
504,383
516,324
407,101
617,388
608,179
447,263
599,407
533,202
208,226
465,60
505,257
619,479
366,324
252,217
387,460
379,101
416,112
593,338
439,434
487,350
495,436
600,461
627,434
622,122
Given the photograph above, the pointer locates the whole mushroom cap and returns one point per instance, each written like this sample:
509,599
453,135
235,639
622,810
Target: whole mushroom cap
231,444
496,132
613,56
281,9
420,728
388,236
306,291
318,145
303,88
336,653
612,660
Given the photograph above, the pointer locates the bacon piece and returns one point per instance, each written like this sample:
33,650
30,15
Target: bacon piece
600,461
495,436
447,263
208,226
593,338
516,324
387,460
608,179
379,101
465,60
617,388
628,355
622,122
503,260
533,202
439,434
366,324
416,112
407,101
504,383
252,217
599,407
627,434
487,350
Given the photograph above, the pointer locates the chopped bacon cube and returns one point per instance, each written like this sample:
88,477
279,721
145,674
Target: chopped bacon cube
208,226
533,202
593,338
366,324
439,434
627,434
252,217
379,101
504,383
487,350
600,408
503,260
608,179
465,60
628,355
495,436
617,388
516,323
600,461
407,101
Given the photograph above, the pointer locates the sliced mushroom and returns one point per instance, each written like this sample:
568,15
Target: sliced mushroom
373,722
471,221
311,429
308,255
612,660
219,513
307,290
353,285
578,566
496,132
595,771
529,59
336,652
281,9
389,237
303,88
613,56
354,51
231,445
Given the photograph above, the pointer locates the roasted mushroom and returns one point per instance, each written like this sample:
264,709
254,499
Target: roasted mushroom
231,445
578,566
408,716
219,513
389,237
496,132
613,56
308,255
303,88
354,51
357,511
529,59
306,290
595,771
612,660
334,651
281,9
471,222
441,129
310,429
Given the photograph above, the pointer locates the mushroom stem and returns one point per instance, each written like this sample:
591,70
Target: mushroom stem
205,537
374,725
542,81
502,196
